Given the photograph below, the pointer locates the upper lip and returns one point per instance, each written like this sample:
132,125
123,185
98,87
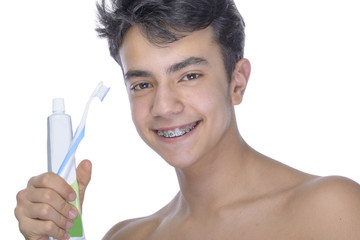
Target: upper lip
164,129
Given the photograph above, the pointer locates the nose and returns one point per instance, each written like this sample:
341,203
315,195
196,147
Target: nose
167,102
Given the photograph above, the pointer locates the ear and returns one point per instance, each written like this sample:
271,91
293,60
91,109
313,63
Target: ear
239,80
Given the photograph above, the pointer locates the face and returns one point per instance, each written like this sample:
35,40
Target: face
181,100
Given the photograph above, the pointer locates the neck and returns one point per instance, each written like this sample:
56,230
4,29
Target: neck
205,185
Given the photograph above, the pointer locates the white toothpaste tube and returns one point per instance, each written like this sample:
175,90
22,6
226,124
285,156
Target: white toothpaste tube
62,147
59,140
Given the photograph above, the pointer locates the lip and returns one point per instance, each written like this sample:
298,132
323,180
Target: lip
181,127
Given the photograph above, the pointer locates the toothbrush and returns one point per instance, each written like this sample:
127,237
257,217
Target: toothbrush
99,92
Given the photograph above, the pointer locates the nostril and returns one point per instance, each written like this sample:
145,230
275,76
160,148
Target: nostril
166,102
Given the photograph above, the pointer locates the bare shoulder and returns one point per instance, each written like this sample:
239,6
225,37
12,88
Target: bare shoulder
140,228
133,229
333,190
329,206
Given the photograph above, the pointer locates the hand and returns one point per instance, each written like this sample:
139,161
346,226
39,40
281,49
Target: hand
42,207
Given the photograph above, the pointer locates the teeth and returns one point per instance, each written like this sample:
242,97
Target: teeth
177,132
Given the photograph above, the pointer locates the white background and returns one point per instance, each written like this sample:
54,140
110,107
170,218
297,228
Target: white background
301,106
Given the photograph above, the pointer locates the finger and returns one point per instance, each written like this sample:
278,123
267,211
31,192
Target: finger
42,211
54,182
53,199
39,229
83,173
35,205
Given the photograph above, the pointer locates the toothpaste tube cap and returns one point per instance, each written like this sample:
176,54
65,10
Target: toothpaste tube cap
58,105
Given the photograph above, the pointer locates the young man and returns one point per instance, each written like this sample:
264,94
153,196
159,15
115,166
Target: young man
184,71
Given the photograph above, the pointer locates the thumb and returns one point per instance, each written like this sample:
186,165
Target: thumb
83,174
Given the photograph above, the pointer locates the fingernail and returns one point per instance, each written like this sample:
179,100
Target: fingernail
69,225
66,235
72,196
87,166
73,214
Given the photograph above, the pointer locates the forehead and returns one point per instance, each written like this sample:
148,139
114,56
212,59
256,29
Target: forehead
137,52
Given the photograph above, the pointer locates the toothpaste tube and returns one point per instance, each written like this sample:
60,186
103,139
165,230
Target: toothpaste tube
59,141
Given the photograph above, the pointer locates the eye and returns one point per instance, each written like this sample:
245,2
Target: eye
141,86
191,76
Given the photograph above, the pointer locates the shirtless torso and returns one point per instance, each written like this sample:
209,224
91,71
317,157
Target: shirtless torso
301,207
227,189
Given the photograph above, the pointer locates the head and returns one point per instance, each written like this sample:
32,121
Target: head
183,70
166,21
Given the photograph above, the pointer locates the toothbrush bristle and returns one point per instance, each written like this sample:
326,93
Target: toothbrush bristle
101,92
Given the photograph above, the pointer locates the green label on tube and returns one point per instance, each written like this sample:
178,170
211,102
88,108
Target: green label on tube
76,230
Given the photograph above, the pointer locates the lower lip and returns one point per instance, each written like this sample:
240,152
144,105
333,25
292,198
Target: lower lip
180,138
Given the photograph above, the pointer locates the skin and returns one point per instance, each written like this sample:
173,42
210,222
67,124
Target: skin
267,200
227,189
42,208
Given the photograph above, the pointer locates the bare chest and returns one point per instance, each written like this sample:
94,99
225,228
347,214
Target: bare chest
255,224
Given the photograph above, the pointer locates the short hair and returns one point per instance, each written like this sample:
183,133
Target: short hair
166,21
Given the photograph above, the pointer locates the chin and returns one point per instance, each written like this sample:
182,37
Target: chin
180,162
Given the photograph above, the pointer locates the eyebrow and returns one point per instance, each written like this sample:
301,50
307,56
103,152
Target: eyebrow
173,68
136,73
185,63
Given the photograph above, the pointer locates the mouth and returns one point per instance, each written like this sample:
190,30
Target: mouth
177,132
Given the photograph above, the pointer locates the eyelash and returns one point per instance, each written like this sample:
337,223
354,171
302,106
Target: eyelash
191,76
144,85
140,86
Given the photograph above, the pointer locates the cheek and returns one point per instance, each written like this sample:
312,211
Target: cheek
213,100
217,109
139,118
138,112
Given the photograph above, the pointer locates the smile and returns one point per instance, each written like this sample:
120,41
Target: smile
177,132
